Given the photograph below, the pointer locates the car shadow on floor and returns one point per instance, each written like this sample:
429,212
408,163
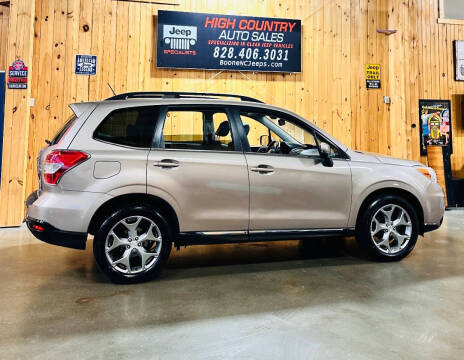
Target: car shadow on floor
209,260
57,285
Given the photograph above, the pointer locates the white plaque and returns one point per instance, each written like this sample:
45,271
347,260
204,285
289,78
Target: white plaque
459,56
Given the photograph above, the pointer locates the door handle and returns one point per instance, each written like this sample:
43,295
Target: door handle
263,169
166,164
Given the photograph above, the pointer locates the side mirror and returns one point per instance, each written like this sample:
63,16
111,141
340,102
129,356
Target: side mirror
325,154
264,140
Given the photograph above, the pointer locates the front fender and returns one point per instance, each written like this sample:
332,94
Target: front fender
415,186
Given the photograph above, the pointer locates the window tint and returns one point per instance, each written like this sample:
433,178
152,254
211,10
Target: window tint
63,130
197,130
254,130
334,152
285,136
130,127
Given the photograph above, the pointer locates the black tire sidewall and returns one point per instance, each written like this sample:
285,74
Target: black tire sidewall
364,235
108,223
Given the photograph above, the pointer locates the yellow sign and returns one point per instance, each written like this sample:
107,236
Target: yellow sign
373,80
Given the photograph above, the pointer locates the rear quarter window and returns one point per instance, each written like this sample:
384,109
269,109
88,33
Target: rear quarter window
56,139
129,127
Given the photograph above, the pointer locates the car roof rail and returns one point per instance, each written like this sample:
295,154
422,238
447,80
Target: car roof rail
177,95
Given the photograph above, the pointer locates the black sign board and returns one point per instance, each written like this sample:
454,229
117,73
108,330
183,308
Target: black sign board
435,124
227,42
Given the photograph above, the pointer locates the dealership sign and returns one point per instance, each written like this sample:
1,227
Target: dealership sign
227,42
17,75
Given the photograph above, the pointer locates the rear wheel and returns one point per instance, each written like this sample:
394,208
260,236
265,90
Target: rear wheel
388,228
132,244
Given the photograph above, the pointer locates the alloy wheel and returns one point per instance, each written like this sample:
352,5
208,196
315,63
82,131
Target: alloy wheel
391,229
133,245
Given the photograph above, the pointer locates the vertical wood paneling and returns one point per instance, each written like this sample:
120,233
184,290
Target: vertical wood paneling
4,15
339,38
17,114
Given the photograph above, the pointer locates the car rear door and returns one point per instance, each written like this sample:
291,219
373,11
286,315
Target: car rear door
197,166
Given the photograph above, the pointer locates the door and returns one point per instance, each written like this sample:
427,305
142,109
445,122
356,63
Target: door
199,168
290,187
2,112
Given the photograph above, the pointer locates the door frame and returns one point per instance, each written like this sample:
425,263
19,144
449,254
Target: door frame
236,109
231,116
2,114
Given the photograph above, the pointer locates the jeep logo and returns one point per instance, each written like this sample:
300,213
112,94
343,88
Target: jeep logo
179,37
180,31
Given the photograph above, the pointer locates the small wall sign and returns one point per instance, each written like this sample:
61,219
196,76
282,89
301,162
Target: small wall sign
373,76
86,65
459,60
17,75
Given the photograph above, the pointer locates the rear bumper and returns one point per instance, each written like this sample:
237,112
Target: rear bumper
51,235
67,210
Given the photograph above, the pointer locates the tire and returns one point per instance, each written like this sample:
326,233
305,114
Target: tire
126,238
391,242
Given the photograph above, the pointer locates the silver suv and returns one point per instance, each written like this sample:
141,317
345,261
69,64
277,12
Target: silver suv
143,171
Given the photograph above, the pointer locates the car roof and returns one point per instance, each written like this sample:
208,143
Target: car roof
80,108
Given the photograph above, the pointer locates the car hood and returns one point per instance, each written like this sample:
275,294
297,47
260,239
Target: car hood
378,158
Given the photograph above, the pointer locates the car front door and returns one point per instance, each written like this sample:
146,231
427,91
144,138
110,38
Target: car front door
197,167
290,187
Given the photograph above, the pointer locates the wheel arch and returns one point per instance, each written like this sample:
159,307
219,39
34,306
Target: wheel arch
120,201
410,197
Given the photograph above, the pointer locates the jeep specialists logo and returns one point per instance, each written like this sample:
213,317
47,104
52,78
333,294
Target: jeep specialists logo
179,37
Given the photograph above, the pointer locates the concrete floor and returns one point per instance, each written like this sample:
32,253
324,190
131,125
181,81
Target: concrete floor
253,301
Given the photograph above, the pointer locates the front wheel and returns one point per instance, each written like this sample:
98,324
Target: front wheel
132,244
388,228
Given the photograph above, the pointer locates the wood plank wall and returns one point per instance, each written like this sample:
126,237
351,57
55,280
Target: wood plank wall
339,38
4,15
17,116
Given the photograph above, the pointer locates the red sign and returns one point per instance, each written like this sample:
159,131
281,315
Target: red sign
17,75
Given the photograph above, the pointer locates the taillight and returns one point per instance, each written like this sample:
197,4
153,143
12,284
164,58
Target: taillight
60,161
38,227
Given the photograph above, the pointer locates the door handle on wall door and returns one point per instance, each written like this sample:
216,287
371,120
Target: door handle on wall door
166,164
263,169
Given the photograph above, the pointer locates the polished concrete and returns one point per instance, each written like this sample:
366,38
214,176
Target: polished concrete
281,300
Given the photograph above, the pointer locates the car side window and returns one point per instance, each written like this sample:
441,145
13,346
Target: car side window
270,133
56,139
130,127
197,130
334,152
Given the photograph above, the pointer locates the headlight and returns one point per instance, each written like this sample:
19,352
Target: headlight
429,172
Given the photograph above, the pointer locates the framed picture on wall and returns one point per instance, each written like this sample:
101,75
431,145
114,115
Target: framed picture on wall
435,124
459,60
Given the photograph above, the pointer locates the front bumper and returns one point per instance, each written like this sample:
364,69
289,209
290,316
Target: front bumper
433,204
432,227
51,235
